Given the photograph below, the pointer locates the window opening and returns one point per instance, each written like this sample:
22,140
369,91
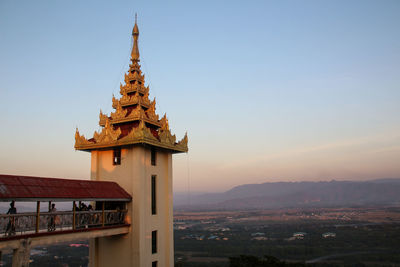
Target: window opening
117,156
154,242
153,194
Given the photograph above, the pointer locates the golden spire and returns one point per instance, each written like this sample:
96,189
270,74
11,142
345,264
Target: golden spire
135,49
134,120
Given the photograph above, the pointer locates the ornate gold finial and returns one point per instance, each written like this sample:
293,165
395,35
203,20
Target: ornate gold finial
135,49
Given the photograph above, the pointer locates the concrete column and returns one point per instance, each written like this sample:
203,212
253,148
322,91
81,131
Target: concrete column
94,252
21,255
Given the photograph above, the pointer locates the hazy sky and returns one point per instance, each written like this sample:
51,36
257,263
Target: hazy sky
267,90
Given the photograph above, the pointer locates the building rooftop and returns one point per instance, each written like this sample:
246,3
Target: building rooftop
28,188
134,120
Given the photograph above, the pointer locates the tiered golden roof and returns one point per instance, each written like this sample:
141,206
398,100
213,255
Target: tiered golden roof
134,120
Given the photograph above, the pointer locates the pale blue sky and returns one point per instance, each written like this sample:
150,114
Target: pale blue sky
267,90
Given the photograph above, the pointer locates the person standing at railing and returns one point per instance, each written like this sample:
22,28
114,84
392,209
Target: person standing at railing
90,216
11,223
83,217
52,222
83,207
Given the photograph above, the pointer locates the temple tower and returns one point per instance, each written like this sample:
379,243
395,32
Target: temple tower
134,149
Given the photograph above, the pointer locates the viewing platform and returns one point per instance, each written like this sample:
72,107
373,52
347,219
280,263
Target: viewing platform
106,215
24,225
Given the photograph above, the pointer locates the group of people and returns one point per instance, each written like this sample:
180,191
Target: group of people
83,207
83,219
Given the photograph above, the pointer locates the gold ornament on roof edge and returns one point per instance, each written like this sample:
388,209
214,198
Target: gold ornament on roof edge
119,112
80,139
167,137
164,123
107,135
183,143
151,112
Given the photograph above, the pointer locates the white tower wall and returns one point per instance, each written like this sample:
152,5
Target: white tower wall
134,175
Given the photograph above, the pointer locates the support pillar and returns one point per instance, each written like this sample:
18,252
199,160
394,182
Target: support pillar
94,252
73,216
37,216
22,254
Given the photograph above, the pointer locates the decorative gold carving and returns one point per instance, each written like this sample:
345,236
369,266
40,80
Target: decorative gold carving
164,123
145,99
122,89
125,99
119,112
80,139
134,99
136,76
137,87
135,66
137,113
114,102
183,143
145,132
126,79
167,138
107,135
139,133
102,118
151,112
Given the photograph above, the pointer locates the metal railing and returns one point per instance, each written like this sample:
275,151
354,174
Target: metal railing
33,223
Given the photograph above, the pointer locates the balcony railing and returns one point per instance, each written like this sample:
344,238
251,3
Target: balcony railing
34,223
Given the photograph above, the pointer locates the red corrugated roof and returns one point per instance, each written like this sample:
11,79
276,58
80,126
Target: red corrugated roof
14,187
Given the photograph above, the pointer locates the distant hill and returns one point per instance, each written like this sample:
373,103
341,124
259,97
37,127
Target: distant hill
298,194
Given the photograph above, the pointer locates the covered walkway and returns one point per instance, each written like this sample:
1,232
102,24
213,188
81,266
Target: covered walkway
106,214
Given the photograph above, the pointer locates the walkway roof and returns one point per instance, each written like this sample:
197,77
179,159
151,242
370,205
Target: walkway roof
28,188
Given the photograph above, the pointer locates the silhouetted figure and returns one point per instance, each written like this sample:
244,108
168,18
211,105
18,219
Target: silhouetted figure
91,216
84,207
52,222
11,223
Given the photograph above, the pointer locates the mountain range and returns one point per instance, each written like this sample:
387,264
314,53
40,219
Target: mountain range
297,195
